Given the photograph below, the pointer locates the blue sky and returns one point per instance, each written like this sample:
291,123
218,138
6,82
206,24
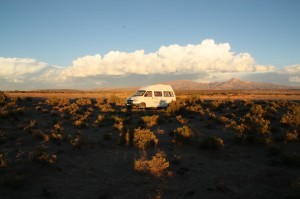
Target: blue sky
55,44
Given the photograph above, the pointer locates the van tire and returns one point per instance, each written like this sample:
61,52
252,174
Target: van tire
142,105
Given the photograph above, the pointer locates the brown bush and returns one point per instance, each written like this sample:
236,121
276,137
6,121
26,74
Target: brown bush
155,166
292,117
150,120
143,138
182,135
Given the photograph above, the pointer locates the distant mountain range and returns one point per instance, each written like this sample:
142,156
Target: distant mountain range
232,84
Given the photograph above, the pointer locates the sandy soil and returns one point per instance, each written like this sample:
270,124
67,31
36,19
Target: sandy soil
101,167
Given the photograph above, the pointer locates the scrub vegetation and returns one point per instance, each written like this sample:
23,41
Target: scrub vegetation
98,148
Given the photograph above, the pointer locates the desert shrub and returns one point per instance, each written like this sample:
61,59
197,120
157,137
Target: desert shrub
73,108
83,101
100,119
106,108
119,126
3,160
113,100
257,110
193,101
216,104
182,135
291,136
292,117
117,119
42,157
155,166
54,101
38,133
150,120
100,101
119,122
20,110
223,120
211,115
253,129
81,123
175,107
144,138
38,108
181,119
76,139
212,143
57,133
32,124
3,98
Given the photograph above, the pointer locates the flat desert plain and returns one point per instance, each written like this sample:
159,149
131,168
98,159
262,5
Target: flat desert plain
212,144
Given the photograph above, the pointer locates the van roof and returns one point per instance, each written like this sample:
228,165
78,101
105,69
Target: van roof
157,86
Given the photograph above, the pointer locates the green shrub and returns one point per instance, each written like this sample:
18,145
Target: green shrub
212,143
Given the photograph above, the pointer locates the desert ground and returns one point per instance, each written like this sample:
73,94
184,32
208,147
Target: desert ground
207,144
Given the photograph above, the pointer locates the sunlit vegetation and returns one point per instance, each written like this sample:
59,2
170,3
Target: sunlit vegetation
155,166
182,135
172,143
144,138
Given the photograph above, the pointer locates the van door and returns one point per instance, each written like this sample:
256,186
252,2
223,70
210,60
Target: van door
168,97
148,99
158,98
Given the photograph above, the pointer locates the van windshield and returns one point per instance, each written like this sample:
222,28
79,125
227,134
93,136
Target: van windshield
139,93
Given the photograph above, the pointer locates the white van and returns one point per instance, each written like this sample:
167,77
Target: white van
158,95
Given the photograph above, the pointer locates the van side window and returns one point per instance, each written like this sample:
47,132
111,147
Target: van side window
157,93
168,94
148,94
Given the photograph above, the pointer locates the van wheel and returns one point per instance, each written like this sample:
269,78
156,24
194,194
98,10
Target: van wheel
142,105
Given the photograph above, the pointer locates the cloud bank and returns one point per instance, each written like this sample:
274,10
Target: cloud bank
206,56
207,60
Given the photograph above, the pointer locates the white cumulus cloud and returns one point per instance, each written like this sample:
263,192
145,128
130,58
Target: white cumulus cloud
189,59
16,69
